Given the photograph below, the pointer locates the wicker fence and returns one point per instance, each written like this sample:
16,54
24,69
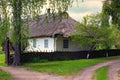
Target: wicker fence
69,55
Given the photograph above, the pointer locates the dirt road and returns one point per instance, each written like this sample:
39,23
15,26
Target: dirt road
86,74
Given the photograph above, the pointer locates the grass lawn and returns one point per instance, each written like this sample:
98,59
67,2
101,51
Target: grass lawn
2,60
119,73
60,67
5,76
101,73
64,67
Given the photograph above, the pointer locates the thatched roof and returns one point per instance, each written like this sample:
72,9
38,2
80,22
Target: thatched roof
47,26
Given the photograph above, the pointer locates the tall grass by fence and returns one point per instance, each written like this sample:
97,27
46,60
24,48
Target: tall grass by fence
68,55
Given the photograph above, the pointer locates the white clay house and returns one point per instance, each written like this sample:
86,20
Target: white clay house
49,34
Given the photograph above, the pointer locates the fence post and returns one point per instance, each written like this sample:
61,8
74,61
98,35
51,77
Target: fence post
88,56
107,53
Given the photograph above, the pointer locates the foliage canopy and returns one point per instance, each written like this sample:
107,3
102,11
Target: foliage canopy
15,12
92,34
112,8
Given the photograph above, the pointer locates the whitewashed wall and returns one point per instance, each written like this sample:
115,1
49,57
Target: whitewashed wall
40,45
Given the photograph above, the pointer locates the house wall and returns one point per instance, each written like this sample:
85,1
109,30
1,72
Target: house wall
40,45
73,45
54,44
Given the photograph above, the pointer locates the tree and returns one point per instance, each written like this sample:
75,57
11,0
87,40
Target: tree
105,17
19,10
91,34
112,8
4,23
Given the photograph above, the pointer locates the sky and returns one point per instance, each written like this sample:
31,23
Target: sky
81,9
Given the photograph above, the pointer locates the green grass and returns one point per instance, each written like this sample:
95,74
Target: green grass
101,73
60,67
119,73
2,60
64,67
5,76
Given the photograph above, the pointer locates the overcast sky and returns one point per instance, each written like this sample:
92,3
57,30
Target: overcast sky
80,9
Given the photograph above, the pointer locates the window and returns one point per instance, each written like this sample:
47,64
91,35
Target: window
65,43
46,43
34,43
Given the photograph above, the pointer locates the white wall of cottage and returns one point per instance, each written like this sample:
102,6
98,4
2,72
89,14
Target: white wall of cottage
40,47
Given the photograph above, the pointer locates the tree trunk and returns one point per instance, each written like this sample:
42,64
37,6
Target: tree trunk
17,10
17,55
90,50
7,53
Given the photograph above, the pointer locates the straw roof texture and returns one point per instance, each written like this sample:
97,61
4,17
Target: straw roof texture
49,26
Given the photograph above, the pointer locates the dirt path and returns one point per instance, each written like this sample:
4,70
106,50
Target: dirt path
86,74
112,73
23,74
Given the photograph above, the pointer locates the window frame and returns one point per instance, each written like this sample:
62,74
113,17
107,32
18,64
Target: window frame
34,43
46,42
66,43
